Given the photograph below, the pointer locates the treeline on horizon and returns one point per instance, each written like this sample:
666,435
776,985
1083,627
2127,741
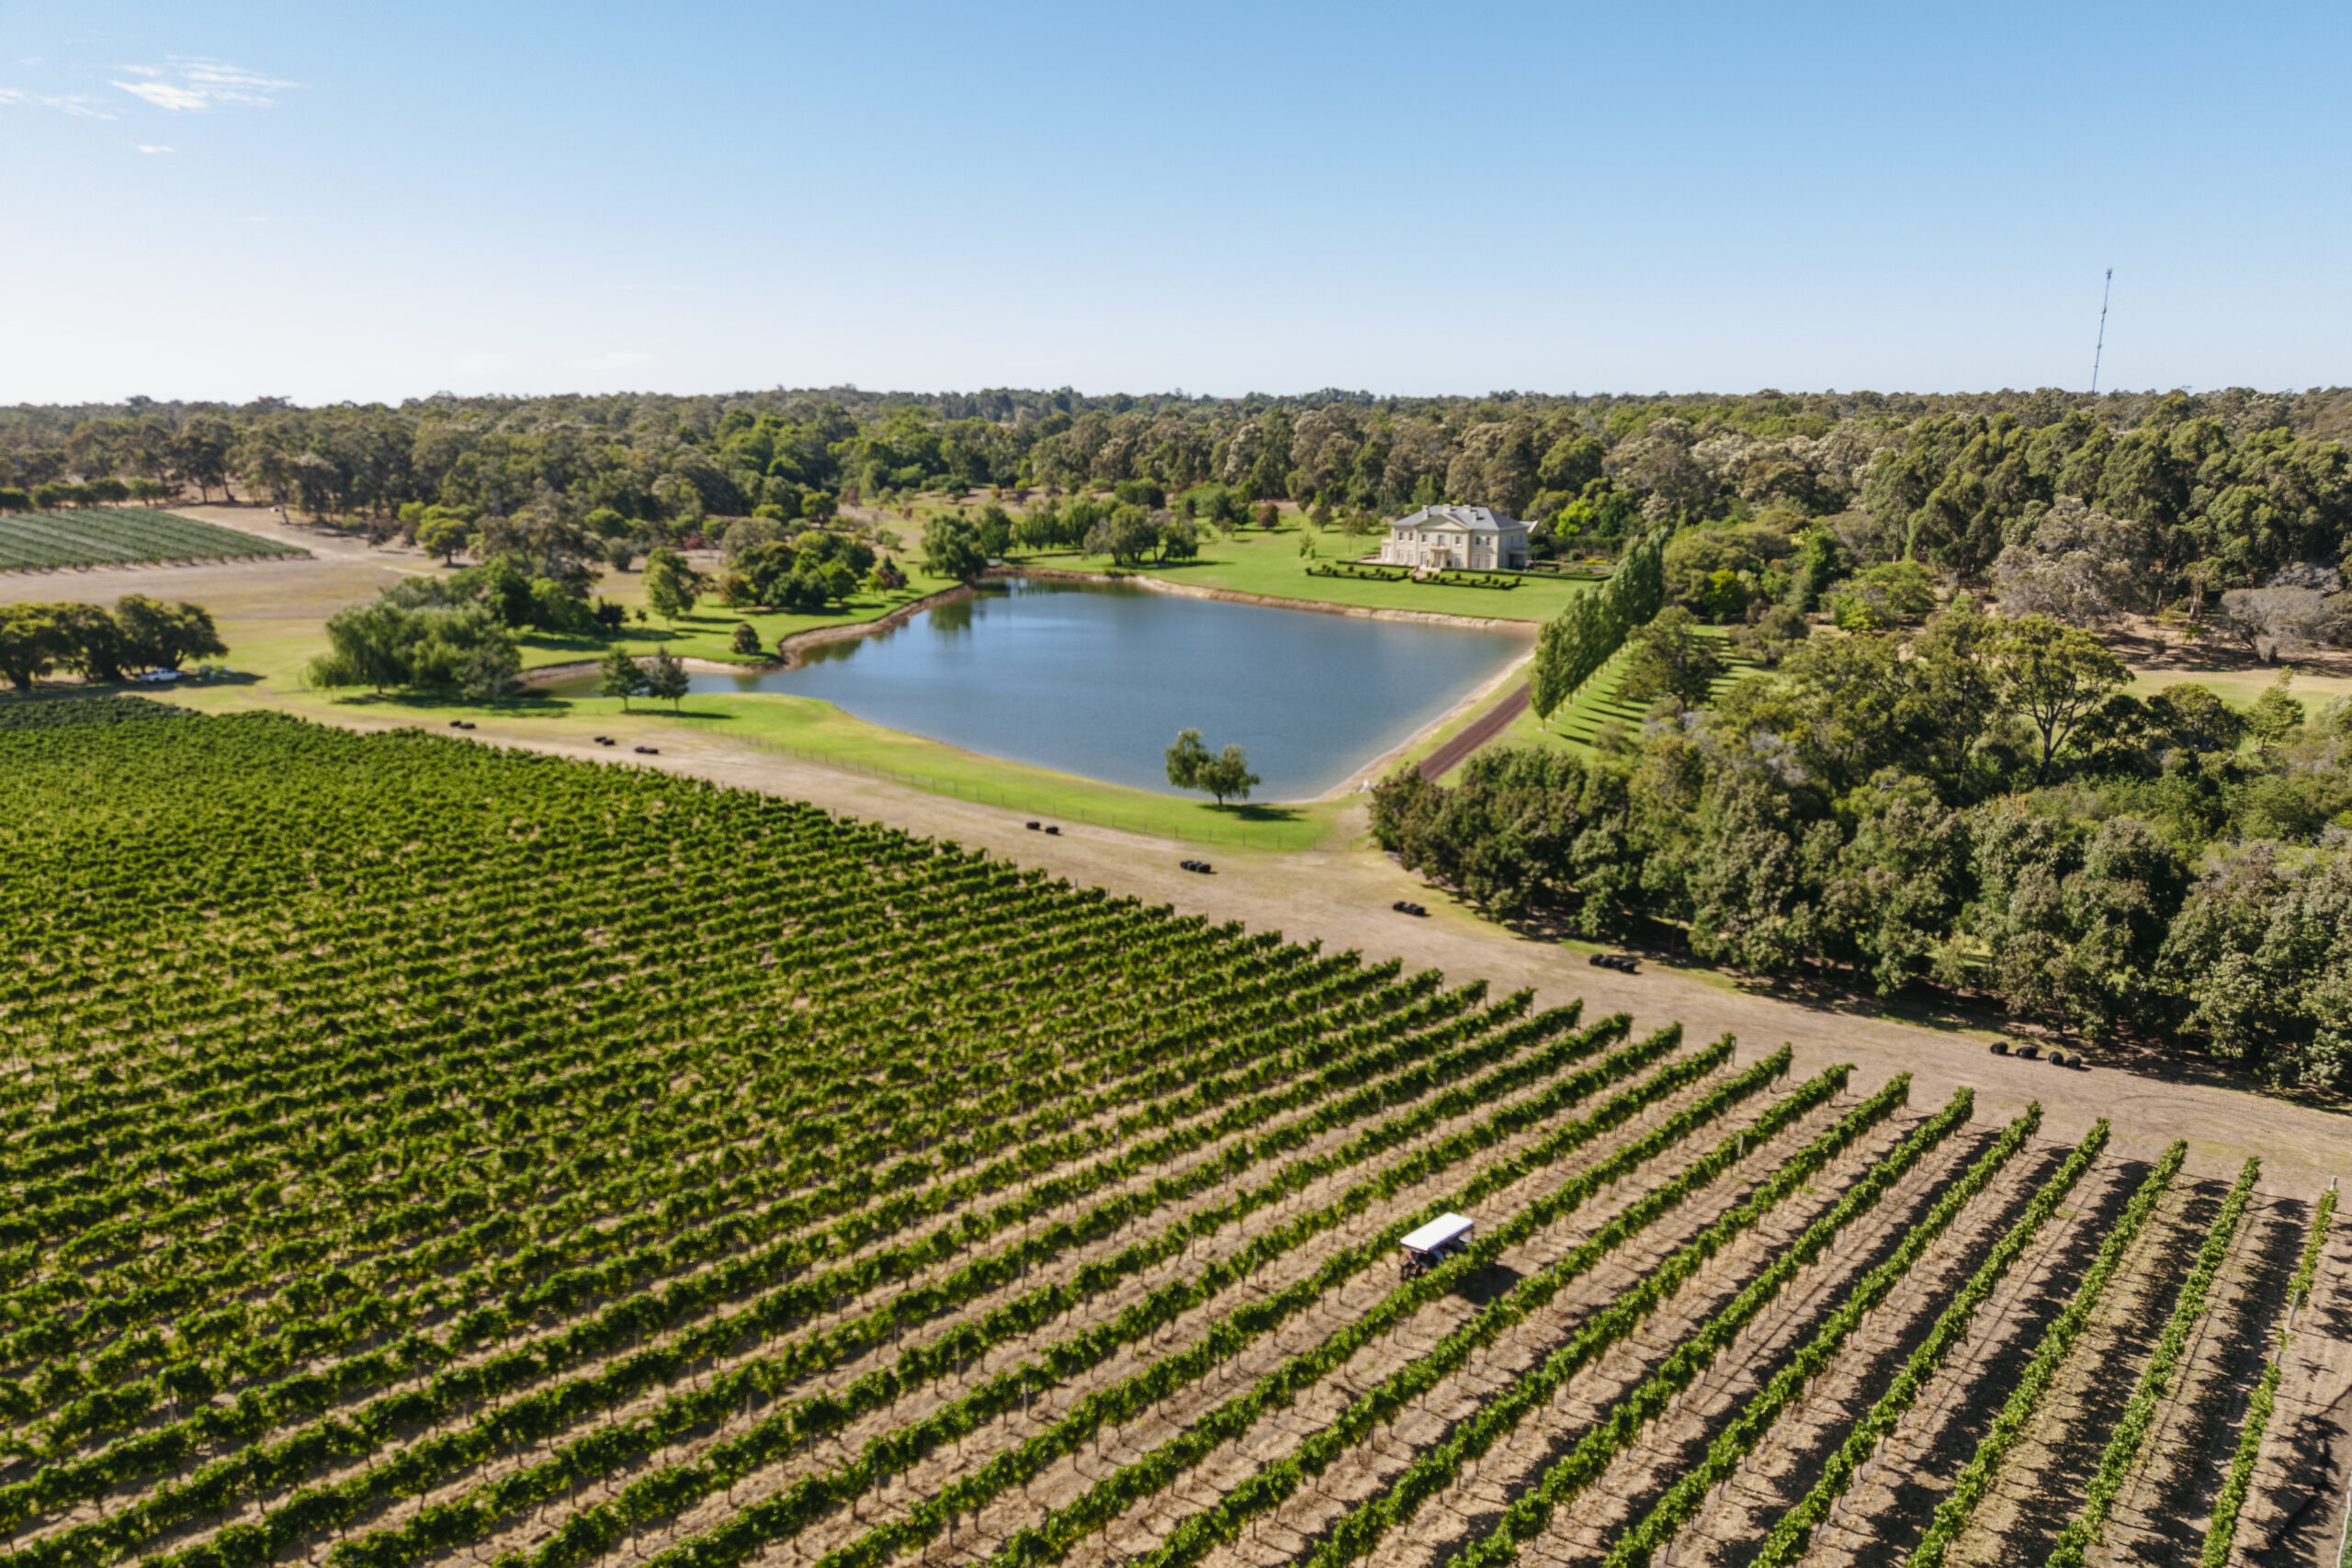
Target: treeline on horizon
2229,486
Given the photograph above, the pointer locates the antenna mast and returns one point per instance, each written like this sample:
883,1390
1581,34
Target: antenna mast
2100,352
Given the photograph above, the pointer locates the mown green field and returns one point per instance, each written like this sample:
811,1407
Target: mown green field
1267,562
1576,724
807,729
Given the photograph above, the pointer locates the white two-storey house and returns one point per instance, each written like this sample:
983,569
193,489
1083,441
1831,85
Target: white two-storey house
1456,538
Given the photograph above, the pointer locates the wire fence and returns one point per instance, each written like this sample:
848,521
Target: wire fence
1241,835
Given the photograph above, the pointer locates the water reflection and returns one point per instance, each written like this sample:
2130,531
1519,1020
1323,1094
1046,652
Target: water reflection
1096,679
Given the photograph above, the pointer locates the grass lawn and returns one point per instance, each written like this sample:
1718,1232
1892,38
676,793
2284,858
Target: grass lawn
807,729
2240,687
1258,561
708,632
1576,725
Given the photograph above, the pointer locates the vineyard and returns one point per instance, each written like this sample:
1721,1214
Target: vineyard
418,1152
119,535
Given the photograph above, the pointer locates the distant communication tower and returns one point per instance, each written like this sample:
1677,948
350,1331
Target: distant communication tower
2098,353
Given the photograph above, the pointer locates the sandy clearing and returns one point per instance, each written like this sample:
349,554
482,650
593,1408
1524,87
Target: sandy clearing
288,590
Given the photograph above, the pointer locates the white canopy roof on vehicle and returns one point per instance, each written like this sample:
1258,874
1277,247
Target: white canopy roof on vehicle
1444,1231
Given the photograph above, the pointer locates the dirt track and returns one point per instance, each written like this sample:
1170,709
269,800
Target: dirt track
1491,723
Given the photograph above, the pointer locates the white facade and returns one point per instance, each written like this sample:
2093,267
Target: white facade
1456,538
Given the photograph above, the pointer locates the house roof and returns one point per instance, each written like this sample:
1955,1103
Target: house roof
1469,519
1440,1231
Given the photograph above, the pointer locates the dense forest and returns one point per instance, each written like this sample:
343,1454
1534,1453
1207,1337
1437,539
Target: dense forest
1974,803
2170,497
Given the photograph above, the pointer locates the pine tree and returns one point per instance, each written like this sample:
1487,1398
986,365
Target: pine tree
1547,684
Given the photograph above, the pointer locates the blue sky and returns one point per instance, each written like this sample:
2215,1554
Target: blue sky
338,201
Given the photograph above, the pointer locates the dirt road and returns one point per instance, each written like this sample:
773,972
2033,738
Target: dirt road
1491,723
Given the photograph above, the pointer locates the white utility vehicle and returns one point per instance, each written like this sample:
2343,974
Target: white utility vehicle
1425,1248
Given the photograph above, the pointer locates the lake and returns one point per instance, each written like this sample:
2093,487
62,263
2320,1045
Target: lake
1096,679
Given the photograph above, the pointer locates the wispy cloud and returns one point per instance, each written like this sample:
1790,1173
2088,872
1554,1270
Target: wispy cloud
196,85
484,364
144,147
612,359
64,103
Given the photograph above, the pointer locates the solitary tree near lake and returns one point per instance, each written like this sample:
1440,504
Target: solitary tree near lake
1185,760
1190,765
666,678
1229,775
620,676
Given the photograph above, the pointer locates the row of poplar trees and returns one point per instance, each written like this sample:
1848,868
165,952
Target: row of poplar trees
1580,639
